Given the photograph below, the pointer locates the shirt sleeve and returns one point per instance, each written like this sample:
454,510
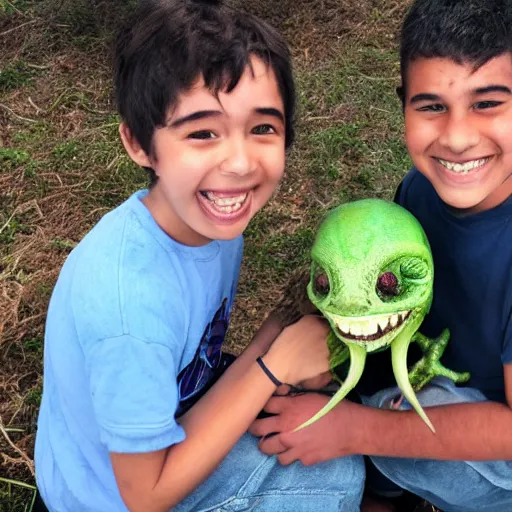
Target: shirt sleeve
134,394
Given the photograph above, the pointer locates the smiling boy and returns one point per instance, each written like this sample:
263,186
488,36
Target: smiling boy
138,316
203,191
458,123
456,67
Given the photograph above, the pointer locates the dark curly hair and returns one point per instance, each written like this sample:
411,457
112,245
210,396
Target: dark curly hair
167,44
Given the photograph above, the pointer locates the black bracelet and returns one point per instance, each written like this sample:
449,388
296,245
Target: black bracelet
268,373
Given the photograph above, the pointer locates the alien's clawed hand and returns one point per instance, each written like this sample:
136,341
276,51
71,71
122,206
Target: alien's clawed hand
430,366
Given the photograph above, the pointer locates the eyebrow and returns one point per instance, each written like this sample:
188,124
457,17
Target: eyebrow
493,88
269,111
202,114
481,90
424,97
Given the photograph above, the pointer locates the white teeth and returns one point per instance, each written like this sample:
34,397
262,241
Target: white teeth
462,168
226,201
372,327
356,329
344,327
226,204
368,326
383,322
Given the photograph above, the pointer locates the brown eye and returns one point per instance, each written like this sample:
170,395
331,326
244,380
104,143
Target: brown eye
387,284
321,284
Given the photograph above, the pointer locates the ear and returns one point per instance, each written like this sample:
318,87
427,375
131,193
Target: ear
133,148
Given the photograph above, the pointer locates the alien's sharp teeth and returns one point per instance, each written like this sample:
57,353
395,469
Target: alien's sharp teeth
393,320
372,327
344,327
355,329
383,322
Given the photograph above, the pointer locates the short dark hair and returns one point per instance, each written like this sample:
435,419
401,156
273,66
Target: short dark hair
466,31
168,44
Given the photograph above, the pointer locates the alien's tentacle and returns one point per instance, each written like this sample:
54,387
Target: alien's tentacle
399,348
338,352
357,360
430,366
338,355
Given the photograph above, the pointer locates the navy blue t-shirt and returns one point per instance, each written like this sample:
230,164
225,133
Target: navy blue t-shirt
472,283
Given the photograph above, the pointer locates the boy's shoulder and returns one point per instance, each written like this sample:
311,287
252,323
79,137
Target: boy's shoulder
119,269
124,240
414,188
127,268
127,249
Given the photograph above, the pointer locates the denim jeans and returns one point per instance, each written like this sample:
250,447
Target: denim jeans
248,480
452,486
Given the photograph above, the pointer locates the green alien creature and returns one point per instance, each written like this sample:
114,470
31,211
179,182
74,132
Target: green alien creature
371,277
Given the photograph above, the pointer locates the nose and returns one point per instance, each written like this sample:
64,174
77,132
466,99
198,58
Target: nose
459,134
238,158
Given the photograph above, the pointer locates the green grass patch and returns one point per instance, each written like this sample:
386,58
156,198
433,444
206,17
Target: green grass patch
34,345
15,75
34,395
16,496
328,146
276,254
35,135
8,7
11,228
12,158
321,89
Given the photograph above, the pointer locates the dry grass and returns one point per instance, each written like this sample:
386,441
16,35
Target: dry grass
62,167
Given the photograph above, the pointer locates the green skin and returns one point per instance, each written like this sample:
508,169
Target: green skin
355,245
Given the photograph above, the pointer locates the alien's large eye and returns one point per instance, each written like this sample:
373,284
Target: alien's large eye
414,268
321,285
387,285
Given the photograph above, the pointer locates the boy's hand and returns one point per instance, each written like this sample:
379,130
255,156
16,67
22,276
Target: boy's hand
318,382
300,352
328,438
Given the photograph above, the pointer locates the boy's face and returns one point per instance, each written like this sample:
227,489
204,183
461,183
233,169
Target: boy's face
458,129
219,159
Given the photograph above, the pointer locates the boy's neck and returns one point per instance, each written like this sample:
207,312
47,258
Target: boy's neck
490,202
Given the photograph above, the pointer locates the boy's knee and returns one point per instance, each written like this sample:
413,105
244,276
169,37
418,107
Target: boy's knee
441,391
445,482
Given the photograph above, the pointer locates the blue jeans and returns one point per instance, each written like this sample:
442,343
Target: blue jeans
248,480
452,486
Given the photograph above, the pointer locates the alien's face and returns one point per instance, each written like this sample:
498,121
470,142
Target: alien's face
371,273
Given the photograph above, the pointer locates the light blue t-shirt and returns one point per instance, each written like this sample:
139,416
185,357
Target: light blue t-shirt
130,311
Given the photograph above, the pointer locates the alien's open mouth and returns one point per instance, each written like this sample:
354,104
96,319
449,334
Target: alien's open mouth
369,328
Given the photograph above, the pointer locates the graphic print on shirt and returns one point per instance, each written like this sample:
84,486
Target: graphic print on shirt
196,375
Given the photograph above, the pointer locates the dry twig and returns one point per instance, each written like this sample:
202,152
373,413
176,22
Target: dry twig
18,450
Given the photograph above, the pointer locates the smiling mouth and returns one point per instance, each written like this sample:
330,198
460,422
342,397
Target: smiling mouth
463,168
369,328
223,204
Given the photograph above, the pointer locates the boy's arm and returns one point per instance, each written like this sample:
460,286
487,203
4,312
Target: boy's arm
470,431
159,480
